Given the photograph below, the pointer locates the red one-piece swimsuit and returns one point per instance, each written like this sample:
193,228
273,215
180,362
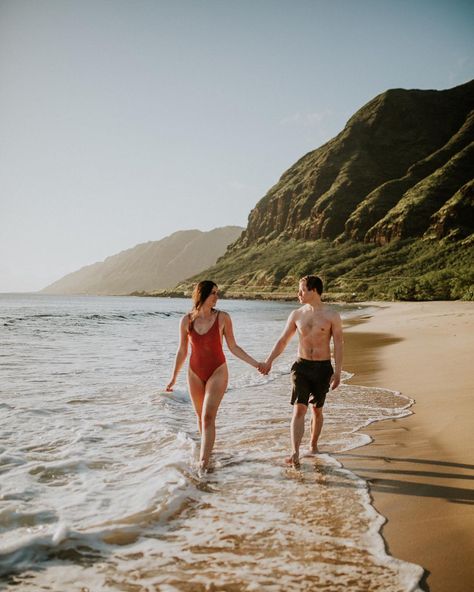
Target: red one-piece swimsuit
206,354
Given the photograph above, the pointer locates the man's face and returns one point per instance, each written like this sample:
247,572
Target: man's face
303,293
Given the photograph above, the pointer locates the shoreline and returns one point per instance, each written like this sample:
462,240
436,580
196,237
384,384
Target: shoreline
420,468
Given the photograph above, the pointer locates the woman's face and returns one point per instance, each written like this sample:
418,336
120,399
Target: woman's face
211,300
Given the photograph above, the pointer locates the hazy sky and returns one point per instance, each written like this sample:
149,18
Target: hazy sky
124,121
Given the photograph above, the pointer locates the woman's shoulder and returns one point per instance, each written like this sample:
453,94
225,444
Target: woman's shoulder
222,316
222,313
186,319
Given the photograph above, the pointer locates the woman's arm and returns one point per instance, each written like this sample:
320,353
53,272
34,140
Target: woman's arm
181,352
232,345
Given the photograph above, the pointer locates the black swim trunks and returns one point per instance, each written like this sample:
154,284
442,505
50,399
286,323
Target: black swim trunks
310,380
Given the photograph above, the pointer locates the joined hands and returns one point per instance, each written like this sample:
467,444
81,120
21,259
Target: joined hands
264,367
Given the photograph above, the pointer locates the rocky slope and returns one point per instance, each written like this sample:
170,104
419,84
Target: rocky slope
149,266
395,184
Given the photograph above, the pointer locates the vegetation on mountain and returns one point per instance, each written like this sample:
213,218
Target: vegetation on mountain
352,271
382,211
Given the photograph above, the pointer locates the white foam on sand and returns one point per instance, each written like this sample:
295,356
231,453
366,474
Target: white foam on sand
99,479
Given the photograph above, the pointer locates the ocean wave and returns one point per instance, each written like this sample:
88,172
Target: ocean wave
74,319
32,538
101,483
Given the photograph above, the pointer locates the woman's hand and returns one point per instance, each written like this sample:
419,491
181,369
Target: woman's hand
169,386
264,368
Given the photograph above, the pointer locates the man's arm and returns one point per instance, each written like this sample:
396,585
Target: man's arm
282,342
338,341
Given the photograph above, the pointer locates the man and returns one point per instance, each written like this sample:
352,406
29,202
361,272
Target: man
312,373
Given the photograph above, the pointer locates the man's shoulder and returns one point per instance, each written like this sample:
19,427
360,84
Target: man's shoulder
332,313
294,315
301,313
329,309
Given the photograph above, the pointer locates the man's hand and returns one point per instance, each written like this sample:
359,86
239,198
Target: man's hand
264,368
335,380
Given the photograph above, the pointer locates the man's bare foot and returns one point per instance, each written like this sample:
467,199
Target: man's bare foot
312,451
203,469
293,460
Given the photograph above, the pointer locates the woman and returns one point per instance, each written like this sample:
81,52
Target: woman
208,376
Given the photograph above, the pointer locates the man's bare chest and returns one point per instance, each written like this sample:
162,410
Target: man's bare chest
313,326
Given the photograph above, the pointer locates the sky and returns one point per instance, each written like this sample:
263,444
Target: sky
123,121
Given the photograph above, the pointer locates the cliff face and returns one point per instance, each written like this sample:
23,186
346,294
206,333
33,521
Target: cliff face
386,176
384,210
149,266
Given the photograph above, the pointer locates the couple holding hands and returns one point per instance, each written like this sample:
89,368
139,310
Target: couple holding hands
312,373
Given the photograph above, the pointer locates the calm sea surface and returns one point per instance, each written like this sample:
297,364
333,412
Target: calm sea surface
98,482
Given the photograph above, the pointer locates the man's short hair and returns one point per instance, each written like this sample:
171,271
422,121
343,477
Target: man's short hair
313,282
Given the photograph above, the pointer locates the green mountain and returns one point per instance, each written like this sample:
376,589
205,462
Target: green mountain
383,210
149,266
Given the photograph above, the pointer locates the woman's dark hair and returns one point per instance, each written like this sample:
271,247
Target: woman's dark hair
313,282
200,293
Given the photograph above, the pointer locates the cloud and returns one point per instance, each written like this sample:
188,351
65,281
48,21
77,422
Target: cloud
307,120
238,186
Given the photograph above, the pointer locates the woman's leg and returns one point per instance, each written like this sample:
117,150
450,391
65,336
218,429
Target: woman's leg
197,390
215,389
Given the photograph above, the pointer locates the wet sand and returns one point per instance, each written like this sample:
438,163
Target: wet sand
421,468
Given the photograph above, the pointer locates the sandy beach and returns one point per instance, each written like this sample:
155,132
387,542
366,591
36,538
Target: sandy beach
421,468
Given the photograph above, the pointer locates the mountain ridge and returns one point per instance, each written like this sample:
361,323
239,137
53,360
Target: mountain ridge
315,197
388,201
149,266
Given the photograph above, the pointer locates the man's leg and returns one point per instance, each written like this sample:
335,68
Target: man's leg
317,420
297,431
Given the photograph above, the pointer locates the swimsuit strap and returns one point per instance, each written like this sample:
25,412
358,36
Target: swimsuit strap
191,322
216,322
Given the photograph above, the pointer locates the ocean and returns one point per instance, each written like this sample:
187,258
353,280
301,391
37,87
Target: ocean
99,488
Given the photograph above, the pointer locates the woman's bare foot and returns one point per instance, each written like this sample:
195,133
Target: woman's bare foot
312,451
293,460
203,468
